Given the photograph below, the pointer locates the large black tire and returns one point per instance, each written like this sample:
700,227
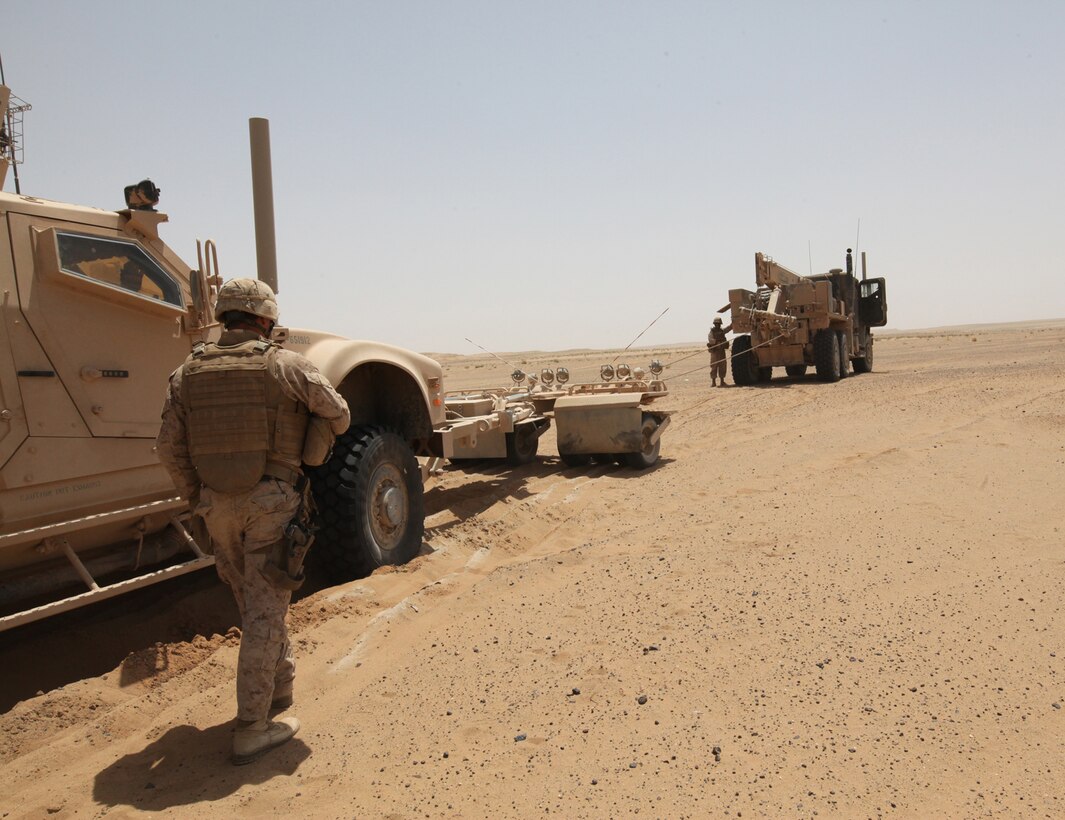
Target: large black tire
765,374
826,355
864,363
575,459
796,371
370,502
744,364
522,444
604,459
844,356
649,455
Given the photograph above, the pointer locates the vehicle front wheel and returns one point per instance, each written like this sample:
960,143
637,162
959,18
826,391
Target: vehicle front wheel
796,371
370,501
864,363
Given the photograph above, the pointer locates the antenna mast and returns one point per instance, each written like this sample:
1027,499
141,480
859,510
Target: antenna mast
11,110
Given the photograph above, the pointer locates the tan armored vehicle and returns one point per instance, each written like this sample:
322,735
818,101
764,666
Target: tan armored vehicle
97,311
795,322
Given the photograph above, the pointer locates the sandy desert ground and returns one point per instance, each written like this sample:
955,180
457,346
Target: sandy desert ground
838,600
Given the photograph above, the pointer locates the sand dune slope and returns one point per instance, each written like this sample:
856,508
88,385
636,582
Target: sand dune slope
841,600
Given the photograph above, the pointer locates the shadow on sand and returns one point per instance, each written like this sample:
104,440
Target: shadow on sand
187,765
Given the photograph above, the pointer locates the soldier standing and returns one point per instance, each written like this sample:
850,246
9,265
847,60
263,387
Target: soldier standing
717,344
240,417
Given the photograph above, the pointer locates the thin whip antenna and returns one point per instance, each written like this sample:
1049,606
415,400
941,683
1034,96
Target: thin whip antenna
638,335
9,125
490,353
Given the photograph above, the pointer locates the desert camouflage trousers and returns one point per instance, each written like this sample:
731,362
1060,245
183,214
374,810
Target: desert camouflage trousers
718,364
243,526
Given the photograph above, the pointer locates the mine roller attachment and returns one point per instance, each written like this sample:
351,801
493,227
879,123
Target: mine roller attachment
575,459
370,501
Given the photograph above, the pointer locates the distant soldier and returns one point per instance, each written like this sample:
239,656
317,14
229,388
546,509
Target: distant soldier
717,344
241,414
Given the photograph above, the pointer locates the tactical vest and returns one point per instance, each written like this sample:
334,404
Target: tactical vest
241,425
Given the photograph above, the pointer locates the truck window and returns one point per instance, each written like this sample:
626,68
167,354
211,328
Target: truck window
117,263
870,287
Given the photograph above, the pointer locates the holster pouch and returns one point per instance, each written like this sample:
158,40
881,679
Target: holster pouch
284,569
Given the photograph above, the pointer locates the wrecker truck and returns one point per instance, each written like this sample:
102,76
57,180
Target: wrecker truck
794,321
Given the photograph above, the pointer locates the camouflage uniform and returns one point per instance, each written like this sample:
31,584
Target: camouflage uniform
717,344
245,525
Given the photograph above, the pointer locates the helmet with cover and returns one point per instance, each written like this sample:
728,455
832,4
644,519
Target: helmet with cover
247,296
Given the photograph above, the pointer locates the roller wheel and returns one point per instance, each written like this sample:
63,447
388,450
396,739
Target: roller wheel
649,454
522,445
370,502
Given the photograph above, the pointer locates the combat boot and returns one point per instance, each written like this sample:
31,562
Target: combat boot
252,742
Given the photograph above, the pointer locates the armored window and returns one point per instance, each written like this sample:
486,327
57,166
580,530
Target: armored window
119,264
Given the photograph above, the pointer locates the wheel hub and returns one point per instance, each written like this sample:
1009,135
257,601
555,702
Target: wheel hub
392,505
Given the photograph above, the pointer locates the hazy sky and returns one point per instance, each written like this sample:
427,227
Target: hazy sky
548,175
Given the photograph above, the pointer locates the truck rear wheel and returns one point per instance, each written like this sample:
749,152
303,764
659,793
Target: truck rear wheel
369,496
575,459
826,355
796,371
844,356
744,364
864,363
